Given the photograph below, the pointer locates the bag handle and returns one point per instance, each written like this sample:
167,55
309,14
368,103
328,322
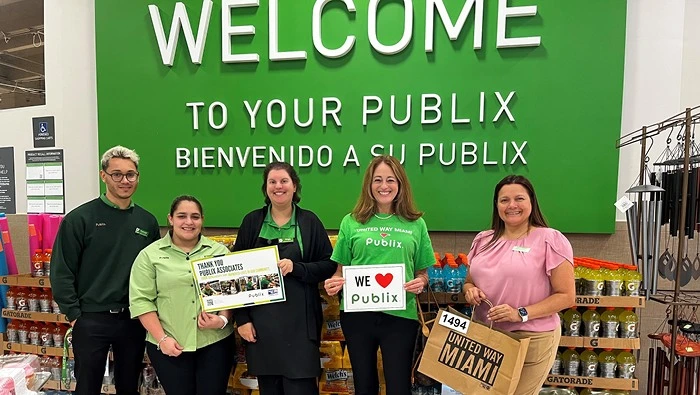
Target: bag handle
424,324
488,302
425,330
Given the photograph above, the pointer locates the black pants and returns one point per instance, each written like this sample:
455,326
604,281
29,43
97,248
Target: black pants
280,385
93,333
395,336
202,372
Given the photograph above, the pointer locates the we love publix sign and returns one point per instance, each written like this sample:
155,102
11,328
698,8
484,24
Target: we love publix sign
374,288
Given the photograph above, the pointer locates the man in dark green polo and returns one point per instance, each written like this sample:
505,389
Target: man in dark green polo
91,262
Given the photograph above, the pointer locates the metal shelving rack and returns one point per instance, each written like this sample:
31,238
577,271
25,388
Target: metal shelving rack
686,120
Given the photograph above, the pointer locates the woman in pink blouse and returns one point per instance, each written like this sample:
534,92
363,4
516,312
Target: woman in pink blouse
525,269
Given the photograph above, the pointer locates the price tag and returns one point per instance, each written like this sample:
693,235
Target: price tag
624,204
454,322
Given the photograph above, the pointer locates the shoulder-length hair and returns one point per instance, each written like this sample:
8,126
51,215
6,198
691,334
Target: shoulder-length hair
403,205
296,198
536,218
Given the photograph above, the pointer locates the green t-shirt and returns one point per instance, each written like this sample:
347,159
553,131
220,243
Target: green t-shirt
384,241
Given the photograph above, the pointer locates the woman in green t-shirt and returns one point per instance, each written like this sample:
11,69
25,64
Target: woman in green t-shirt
385,227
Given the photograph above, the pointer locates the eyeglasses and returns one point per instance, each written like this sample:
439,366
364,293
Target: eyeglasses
130,176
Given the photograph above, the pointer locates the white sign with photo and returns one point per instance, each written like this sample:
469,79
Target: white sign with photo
374,288
239,279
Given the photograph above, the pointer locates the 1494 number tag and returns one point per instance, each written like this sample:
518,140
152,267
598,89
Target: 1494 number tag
454,322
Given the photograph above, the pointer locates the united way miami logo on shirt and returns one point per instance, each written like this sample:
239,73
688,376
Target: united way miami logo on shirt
381,236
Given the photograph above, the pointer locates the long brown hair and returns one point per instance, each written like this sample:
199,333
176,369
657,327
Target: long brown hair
403,205
536,218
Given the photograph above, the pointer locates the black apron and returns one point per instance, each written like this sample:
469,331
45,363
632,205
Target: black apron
283,346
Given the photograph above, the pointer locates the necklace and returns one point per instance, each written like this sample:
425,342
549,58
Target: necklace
527,231
383,218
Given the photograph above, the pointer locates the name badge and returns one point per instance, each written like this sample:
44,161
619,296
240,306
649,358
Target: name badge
287,240
521,249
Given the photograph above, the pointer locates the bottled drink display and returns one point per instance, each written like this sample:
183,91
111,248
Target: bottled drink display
591,322
436,281
46,262
557,366
632,278
589,363
10,298
44,300
607,363
628,323
33,299
609,322
453,277
570,361
21,299
626,363
37,267
572,322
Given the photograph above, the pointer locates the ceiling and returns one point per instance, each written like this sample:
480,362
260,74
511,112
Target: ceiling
22,47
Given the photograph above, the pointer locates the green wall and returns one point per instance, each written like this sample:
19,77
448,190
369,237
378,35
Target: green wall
565,107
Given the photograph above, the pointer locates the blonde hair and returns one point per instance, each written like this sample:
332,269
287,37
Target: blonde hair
119,152
403,204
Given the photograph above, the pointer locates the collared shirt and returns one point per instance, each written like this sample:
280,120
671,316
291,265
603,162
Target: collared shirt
108,202
281,234
162,281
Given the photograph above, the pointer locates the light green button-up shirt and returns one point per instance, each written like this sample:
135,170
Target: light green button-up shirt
162,281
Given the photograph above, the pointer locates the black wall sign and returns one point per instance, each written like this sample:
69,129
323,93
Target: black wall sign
8,203
44,132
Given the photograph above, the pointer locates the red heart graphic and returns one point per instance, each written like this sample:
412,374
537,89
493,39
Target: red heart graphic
384,279
384,235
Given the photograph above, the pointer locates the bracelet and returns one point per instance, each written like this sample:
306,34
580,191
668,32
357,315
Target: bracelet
223,317
161,341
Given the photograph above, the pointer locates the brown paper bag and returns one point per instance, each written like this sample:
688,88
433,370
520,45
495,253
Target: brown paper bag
482,361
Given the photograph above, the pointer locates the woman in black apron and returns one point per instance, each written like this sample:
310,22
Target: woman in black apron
282,339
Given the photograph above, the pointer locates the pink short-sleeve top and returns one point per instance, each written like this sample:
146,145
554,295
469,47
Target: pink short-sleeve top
517,273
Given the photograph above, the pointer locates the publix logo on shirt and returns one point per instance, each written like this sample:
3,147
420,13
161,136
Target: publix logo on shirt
382,241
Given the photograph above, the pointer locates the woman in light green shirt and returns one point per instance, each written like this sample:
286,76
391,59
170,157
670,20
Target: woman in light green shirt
190,350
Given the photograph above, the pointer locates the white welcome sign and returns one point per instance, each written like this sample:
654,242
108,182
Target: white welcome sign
374,288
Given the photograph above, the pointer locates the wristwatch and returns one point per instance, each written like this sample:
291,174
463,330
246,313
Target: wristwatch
523,313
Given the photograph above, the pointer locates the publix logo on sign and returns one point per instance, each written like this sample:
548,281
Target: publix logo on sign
374,288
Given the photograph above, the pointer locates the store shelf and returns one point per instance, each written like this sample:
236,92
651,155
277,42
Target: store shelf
611,301
34,316
571,341
37,383
38,350
106,389
616,344
592,382
25,280
442,298
600,342
52,385
581,300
